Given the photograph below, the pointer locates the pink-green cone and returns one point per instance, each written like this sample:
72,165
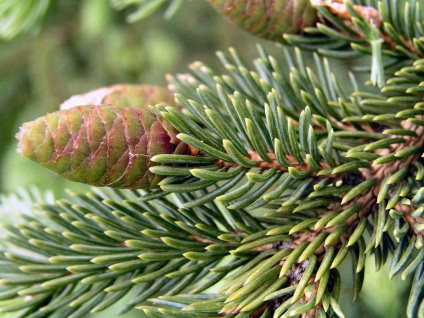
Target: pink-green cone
104,145
268,18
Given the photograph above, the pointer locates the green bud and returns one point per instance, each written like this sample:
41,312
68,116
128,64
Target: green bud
268,19
104,145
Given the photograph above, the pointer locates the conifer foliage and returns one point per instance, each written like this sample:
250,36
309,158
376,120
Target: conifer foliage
245,194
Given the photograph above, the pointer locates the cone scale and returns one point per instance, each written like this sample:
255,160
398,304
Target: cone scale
270,18
104,145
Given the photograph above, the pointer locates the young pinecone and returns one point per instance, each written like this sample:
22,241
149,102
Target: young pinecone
268,18
104,145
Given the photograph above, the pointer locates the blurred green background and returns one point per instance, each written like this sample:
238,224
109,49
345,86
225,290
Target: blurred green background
85,45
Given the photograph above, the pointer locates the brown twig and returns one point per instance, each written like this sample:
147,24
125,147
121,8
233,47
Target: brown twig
274,164
369,199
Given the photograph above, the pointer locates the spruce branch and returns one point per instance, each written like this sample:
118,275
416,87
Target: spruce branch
325,176
337,29
95,247
373,182
331,25
283,173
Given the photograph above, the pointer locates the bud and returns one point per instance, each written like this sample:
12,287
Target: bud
268,18
104,145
